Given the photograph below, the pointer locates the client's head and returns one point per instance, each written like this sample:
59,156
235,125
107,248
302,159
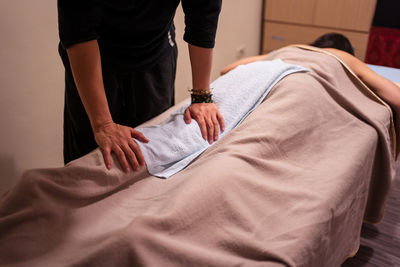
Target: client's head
334,40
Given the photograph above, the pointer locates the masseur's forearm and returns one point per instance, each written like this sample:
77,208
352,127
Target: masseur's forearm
111,137
207,115
86,68
201,63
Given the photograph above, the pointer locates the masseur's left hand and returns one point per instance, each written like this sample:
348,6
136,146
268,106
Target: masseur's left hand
207,115
208,118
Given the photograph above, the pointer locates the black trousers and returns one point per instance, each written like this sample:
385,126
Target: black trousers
133,98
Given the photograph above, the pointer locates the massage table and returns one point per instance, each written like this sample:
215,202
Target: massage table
392,74
291,185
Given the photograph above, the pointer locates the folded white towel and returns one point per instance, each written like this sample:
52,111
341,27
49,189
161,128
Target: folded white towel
174,144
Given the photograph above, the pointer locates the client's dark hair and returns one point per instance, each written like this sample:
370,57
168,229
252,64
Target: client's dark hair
334,40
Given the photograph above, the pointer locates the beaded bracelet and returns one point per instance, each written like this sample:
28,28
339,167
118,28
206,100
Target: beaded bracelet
200,92
204,98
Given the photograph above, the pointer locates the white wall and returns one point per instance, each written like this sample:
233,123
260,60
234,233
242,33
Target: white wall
31,88
32,79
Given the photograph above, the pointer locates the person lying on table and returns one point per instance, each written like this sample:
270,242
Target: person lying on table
340,46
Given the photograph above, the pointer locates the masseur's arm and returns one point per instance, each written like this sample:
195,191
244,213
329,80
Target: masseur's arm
207,115
111,137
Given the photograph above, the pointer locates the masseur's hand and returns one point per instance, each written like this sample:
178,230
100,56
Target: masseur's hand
117,138
208,118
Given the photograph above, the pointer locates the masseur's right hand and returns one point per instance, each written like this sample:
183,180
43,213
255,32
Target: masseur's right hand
116,138
85,63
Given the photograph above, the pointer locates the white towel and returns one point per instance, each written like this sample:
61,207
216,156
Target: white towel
174,144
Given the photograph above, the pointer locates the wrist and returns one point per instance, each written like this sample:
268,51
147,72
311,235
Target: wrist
201,96
99,125
200,91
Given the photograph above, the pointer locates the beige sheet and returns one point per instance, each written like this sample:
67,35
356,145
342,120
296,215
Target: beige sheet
287,187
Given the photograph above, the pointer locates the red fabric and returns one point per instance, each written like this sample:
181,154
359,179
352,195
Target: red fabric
384,47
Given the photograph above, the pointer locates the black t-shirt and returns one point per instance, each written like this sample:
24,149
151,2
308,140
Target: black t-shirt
135,33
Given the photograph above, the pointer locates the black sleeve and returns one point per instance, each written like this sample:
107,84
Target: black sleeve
201,20
78,20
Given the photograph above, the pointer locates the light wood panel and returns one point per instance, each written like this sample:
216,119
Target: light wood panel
277,35
295,11
344,14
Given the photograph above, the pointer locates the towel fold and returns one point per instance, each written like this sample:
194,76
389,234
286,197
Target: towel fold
174,144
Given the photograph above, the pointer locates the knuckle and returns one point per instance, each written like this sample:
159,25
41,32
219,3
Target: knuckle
196,116
106,149
120,153
129,153
133,144
133,148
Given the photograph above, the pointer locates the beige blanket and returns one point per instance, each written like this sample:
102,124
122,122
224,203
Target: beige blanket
290,186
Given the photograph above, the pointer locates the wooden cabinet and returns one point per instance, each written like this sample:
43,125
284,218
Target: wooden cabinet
354,15
290,11
302,21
